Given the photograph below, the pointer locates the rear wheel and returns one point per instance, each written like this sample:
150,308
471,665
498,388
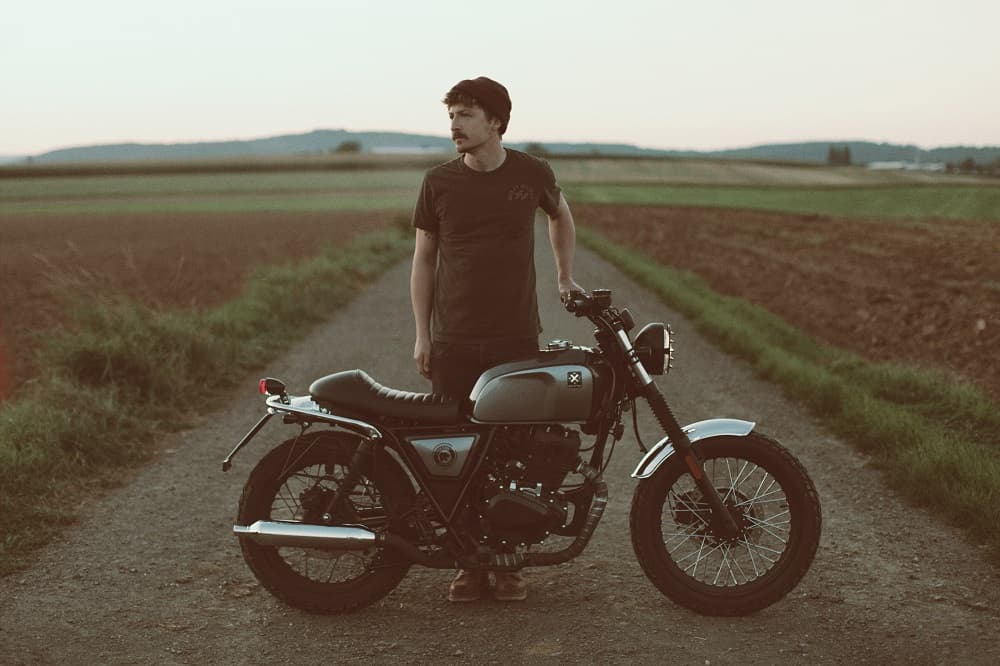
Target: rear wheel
774,503
293,483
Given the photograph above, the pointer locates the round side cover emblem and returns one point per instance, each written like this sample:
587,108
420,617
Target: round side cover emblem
444,455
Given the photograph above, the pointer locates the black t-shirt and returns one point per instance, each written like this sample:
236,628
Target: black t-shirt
484,287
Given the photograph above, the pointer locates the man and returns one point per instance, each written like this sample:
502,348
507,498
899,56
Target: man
473,278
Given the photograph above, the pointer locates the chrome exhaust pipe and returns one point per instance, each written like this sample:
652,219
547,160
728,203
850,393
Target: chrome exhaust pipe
301,535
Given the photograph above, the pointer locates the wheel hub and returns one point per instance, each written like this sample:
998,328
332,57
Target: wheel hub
691,509
312,502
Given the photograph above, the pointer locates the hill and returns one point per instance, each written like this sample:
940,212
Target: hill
863,152
319,142
310,143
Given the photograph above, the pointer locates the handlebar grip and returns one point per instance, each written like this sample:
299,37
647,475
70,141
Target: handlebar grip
577,302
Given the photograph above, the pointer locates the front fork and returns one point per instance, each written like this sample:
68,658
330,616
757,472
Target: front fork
723,522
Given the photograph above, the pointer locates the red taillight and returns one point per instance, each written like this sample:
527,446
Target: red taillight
271,386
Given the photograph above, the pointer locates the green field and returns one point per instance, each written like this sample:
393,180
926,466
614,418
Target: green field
212,193
967,202
739,172
847,192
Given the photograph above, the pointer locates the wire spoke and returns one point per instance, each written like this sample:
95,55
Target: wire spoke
701,556
676,548
722,565
752,503
291,505
761,547
333,569
770,520
753,560
752,492
739,568
695,511
321,565
777,537
734,483
767,491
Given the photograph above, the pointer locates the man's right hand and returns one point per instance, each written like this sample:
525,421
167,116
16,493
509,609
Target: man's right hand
422,357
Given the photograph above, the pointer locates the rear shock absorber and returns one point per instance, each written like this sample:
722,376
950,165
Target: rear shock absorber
360,462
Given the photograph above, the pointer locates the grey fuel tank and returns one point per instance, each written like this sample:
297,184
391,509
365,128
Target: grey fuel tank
553,386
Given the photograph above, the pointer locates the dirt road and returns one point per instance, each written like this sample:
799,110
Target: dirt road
152,575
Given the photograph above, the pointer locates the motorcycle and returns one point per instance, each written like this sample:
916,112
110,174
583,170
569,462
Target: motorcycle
724,520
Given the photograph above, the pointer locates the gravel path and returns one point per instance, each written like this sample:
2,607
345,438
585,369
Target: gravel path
153,576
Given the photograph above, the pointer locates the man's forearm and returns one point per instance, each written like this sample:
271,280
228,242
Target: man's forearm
422,296
562,235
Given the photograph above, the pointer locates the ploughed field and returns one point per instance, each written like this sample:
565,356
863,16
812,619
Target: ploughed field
49,262
924,292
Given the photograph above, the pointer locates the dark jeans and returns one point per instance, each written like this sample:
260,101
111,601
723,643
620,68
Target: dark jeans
455,366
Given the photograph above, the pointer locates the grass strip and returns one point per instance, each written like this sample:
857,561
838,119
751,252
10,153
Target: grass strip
126,371
934,440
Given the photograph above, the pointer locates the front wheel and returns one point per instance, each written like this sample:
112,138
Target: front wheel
774,503
294,483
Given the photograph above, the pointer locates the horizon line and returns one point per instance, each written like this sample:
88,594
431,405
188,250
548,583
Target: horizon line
749,146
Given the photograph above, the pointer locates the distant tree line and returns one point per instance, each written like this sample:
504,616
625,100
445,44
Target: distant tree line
536,149
970,166
838,156
348,147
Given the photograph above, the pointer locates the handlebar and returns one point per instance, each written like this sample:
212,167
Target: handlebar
576,302
583,304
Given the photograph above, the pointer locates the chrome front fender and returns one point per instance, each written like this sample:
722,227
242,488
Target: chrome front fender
663,449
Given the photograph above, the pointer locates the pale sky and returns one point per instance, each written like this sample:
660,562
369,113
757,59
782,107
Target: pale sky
659,74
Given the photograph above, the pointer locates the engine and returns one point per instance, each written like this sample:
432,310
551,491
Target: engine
520,501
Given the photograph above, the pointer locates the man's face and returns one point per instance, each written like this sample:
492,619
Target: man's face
469,127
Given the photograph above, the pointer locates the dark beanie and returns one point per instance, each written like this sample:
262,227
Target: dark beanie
490,95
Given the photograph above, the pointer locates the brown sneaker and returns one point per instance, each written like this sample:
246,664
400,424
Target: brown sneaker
510,586
467,586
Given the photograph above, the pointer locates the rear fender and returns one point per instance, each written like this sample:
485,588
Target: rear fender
663,449
302,409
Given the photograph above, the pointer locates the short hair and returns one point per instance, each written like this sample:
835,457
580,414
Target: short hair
458,97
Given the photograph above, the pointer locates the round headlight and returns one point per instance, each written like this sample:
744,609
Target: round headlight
651,345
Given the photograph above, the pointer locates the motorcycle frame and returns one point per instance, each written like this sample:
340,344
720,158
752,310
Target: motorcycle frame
613,345
303,411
